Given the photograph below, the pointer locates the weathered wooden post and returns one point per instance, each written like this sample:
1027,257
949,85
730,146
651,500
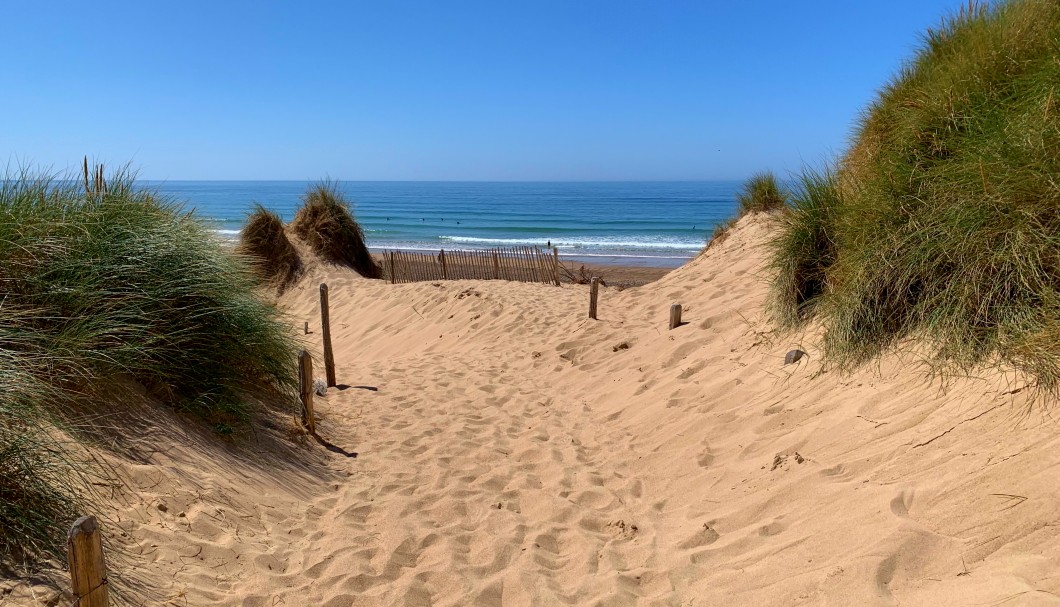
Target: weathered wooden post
305,390
325,325
88,570
445,268
496,266
675,316
594,289
307,327
555,265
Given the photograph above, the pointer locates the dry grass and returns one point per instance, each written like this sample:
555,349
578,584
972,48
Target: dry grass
327,225
265,241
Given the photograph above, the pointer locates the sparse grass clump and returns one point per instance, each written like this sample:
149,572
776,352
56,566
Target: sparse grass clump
108,290
264,240
942,220
759,194
326,223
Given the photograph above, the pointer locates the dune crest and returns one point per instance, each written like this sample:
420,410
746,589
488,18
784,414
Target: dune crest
513,452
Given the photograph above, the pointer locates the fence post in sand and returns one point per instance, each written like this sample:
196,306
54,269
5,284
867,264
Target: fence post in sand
675,316
445,269
594,289
307,327
393,278
555,265
325,325
88,570
496,266
305,390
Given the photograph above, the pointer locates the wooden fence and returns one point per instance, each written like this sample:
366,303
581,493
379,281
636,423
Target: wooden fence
524,264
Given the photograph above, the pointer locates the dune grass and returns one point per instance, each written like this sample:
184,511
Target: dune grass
116,288
941,221
760,193
326,223
264,240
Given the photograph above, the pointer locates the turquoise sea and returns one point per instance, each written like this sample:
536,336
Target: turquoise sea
631,223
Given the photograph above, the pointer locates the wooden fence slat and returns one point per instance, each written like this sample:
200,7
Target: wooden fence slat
530,262
555,265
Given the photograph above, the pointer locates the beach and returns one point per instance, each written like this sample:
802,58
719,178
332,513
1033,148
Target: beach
511,451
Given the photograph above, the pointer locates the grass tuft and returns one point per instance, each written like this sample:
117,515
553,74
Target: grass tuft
759,194
326,223
264,240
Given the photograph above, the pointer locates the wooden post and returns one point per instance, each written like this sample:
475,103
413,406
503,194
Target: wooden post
555,265
305,390
594,289
496,266
88,570
445,269
675,316
307,327
325,325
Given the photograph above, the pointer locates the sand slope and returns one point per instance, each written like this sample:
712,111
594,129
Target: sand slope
513,452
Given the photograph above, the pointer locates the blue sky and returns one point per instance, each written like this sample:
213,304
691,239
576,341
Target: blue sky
428,90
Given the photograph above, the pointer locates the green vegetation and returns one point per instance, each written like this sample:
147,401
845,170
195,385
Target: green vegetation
759,194
941,222
106,287
326,223
263,239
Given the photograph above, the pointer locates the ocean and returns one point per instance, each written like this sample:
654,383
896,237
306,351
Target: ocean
659,224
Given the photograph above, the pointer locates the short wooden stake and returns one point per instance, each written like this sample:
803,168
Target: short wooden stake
445,268
675,316
88,570
305,390
496,266
307,327
325,326
594,290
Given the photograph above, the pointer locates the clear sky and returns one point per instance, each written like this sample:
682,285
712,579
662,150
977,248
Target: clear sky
433,90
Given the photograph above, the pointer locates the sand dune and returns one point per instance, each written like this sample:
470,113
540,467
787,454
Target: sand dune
513,452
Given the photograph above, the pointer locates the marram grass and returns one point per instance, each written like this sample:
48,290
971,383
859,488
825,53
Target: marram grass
941,223
264,240
760,193
117,287
326,223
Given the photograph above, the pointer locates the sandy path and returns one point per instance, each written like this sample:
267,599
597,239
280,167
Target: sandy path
513,452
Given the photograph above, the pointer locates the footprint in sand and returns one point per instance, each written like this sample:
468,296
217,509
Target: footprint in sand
704,537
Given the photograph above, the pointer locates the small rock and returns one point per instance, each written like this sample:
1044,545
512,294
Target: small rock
621,346
798,458
162,507
793,356
320,387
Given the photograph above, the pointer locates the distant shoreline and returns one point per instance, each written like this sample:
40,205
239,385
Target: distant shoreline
614,275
